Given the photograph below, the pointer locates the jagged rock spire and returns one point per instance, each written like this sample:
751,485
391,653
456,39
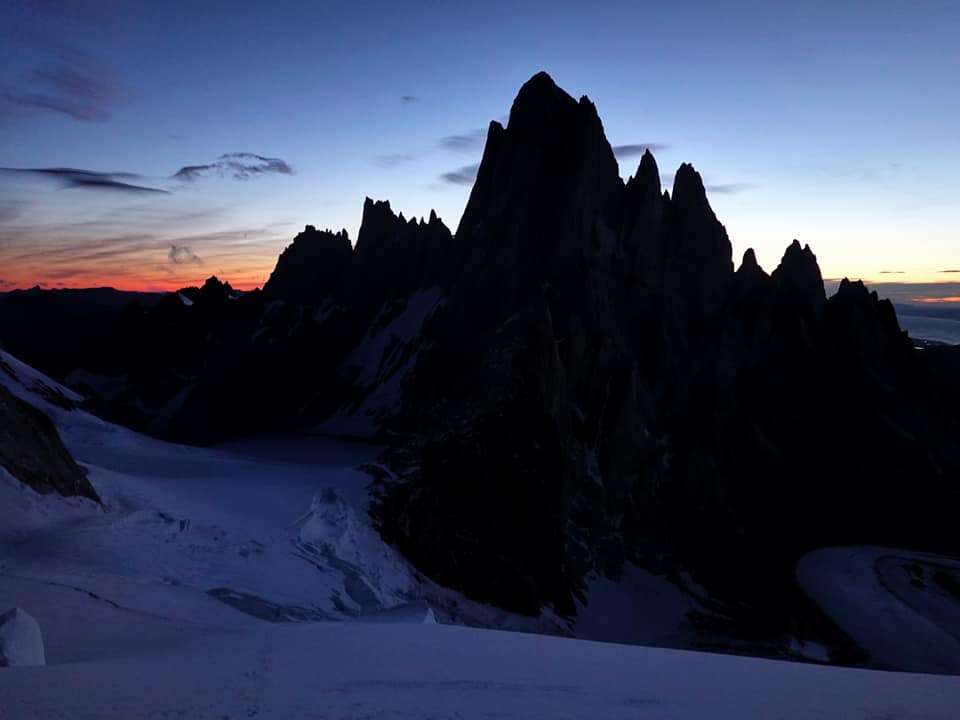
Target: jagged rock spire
311,267
798,276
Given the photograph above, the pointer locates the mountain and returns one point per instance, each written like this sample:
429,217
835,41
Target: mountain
603,387
61,329
575,381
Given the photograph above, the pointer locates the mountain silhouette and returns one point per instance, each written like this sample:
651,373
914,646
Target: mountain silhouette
575,379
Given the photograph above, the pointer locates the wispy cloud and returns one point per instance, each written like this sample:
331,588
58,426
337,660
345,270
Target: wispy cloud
628,151
409,99
238,165
461,176
394,160
712,188
948,271
88,179
467,142
728,188
70,91
181,254
891,272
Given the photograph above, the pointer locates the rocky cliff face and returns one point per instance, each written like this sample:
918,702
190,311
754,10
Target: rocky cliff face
31,450
310,268
603,378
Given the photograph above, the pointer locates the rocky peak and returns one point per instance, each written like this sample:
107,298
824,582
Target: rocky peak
378,225
643,223
311,267
688,189
378,220
750,277
547,197
749,267
537,101
699,262
798,276
646,183
214,291
395,256
860,320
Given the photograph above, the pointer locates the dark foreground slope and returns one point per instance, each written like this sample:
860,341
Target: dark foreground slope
575,379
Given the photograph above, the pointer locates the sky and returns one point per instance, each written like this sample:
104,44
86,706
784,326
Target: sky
149,145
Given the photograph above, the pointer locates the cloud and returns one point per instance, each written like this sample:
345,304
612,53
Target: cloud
71,84
467,142
891,272
390,161
89,179
461,176
728,188
182,255
627,151
948,271
409,99
238,165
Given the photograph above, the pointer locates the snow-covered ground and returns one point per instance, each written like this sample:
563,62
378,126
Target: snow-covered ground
902,608
276,528
360,670
246,581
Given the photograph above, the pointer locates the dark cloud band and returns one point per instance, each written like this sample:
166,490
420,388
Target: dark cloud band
461,176
464,142
89,179
634,150
182,255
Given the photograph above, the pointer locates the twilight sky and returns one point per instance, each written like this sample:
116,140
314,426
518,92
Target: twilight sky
834,125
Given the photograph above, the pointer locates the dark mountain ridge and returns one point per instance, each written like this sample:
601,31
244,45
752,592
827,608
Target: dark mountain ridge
575,379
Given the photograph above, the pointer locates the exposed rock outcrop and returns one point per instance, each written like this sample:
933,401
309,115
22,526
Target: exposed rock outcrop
31,450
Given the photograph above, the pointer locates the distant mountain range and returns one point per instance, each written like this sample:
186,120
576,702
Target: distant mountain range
575,379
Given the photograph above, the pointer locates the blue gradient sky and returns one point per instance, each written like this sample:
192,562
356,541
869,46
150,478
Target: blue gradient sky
834,125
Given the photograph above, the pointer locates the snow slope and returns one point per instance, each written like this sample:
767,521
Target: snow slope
276,528
902,608
380,364
359,670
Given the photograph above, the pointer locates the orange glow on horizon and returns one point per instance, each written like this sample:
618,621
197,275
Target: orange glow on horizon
948,299
133,284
